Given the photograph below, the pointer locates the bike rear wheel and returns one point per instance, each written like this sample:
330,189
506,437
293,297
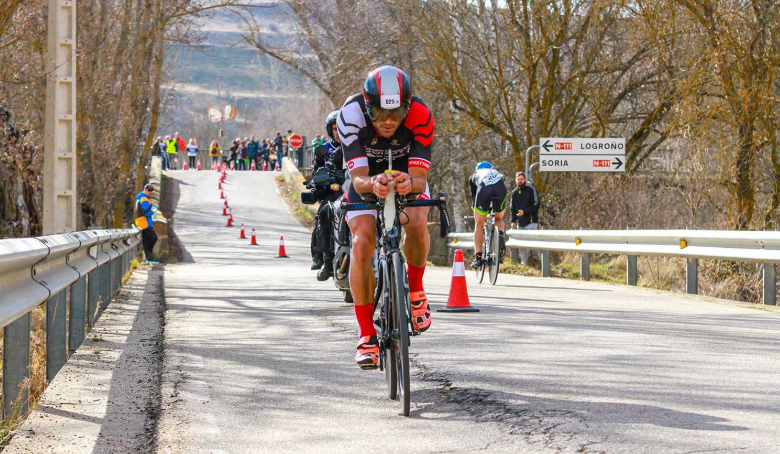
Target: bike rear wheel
399,300
495,251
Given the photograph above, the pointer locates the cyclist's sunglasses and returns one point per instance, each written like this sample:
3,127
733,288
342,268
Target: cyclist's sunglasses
379,115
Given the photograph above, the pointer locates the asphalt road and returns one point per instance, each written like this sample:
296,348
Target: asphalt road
259,356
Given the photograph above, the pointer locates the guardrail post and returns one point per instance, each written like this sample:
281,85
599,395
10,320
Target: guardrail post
546,264
632,274
692,273
585,264
93,296
56,343
16,364
78,310
770,289
105,286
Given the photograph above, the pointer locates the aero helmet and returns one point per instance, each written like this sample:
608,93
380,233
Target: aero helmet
330,120
387,88
484,165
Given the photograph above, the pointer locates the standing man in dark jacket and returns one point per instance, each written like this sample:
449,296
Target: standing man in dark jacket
525,210
252,151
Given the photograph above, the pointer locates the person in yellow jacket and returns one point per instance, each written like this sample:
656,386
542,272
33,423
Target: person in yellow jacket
215,152
144,220
172,148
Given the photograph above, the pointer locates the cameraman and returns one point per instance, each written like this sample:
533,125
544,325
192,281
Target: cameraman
328,157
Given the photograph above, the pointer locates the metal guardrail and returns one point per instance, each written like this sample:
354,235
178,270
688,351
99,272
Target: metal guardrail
762,247
85,266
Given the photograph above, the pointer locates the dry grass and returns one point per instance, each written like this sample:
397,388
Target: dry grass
719,279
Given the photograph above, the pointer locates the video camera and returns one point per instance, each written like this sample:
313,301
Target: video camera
324,180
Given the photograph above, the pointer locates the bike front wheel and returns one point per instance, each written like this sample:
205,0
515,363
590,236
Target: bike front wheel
495,257
399,301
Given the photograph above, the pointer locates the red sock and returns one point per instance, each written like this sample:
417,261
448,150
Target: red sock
365,318
415,277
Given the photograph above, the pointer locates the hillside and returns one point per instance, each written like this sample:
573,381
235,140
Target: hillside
225,70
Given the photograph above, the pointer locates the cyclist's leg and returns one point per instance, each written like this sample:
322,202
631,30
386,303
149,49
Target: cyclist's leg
417,243
362,224
500,209
479,225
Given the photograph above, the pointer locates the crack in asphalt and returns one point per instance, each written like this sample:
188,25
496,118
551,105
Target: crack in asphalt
536,426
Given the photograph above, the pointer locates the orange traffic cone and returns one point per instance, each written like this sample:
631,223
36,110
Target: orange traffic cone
230,219
254,238
252,167
220,185
282,253
265,166
198,166
221,194
185,166
278,165
243,235
459,295
232,167
224,211
226,205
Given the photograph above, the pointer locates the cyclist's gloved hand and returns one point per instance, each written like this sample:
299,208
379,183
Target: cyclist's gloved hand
403,182
380,187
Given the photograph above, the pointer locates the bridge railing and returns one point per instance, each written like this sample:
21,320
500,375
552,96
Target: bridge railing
762,247
76,274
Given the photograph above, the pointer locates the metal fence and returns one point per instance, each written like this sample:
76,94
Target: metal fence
80,270
762,247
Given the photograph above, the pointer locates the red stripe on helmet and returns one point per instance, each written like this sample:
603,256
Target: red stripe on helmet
400,85
378,77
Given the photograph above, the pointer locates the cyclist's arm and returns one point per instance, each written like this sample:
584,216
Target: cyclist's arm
419,179
361,181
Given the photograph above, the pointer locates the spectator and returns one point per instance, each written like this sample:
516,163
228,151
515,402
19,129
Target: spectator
233,154
158,149
317,141
265,153
214,152
180,144
277,144
171,148
525,211
252,151
143,220
273,158
241,155
192,153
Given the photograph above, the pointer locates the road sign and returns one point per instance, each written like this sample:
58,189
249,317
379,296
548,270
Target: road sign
582,154
296,141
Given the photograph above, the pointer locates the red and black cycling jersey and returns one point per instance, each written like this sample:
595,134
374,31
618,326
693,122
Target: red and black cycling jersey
364,147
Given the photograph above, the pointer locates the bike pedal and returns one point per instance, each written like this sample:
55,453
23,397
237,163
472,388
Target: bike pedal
369,366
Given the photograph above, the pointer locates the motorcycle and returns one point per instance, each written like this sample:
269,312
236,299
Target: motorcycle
327,177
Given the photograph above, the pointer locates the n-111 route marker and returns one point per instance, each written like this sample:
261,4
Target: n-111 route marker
582,154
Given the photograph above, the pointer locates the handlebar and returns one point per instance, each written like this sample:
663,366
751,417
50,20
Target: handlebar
377,204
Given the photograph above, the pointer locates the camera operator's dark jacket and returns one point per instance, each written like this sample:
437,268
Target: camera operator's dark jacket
328,154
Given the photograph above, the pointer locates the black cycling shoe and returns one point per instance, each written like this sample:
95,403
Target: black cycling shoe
477,262
325,273
316,264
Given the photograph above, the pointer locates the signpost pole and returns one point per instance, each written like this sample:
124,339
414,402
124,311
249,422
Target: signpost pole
528,169
59,161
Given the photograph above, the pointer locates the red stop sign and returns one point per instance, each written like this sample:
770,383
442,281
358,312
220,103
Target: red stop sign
296,141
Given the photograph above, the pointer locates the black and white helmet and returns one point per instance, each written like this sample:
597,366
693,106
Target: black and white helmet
330,120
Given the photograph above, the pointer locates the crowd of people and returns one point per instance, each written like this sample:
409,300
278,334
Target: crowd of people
242,154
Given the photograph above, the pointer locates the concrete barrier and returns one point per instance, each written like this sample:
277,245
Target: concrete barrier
156,179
